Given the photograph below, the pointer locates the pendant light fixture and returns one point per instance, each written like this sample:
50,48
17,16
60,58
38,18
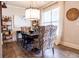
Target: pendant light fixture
4,5
32,13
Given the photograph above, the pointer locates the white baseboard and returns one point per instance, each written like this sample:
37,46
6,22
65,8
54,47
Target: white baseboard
68,44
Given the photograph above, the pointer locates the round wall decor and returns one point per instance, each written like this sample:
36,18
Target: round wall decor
72,14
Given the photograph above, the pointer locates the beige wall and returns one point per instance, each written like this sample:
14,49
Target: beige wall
71,28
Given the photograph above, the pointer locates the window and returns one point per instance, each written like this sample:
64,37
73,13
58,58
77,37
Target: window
50,17
46,18
20,21
55,16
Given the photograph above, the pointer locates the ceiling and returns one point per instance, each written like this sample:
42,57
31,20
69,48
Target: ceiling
27,4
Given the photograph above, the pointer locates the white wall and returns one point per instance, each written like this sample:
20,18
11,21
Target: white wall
71,28
13,10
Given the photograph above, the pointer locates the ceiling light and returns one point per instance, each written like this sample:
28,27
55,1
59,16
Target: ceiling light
32,13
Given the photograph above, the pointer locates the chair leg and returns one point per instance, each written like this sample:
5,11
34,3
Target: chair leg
53,50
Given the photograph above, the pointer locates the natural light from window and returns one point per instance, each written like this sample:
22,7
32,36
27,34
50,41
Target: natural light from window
50,17
21,22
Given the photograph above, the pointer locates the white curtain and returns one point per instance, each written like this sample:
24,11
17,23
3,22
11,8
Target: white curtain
59,5
59,36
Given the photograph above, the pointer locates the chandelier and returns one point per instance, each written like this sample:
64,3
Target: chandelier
32,13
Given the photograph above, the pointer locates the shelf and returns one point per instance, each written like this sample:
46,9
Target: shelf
6,24
5,41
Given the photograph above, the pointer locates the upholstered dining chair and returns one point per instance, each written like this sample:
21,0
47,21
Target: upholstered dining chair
49,38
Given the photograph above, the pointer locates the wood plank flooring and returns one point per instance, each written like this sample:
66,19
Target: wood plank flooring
12,50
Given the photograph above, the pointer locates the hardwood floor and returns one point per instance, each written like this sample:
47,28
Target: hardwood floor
13,51
66,52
